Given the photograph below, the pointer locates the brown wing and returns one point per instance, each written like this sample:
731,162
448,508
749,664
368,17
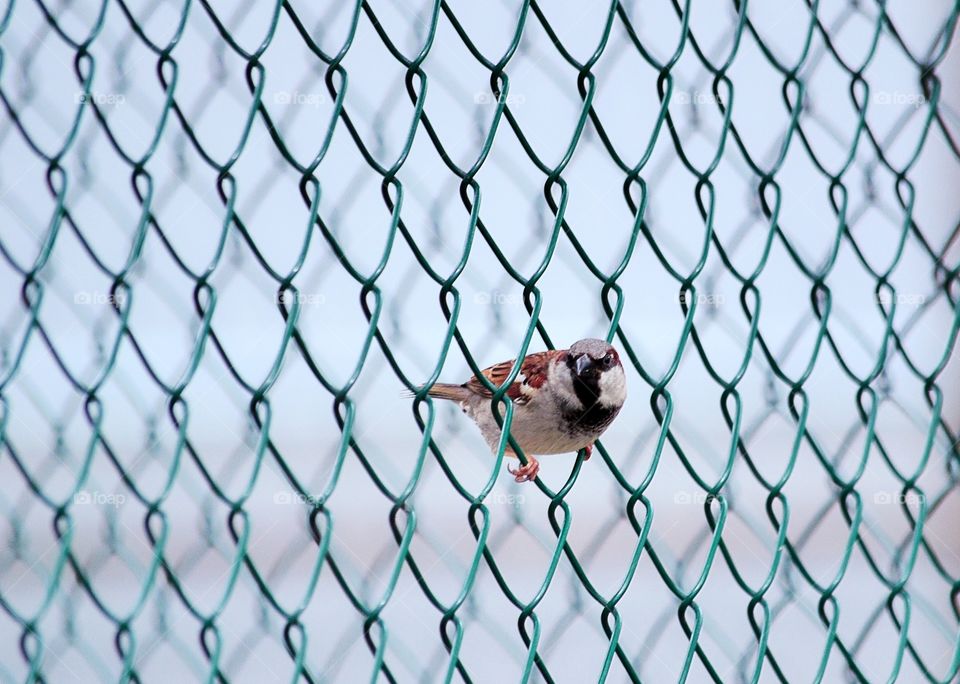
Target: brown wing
533,373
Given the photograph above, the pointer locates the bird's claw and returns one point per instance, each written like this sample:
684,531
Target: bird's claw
525,473
588,452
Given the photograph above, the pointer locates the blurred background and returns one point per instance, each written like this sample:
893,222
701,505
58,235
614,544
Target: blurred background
232,233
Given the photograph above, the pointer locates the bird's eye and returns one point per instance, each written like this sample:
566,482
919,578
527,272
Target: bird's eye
608,361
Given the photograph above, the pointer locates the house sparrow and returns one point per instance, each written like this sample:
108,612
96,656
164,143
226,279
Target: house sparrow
563,401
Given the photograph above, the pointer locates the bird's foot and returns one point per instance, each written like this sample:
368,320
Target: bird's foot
525,473
588,452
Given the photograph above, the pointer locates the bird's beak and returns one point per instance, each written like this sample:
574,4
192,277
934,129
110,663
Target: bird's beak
584,362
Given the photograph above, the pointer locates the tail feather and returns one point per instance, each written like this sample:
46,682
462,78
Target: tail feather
442,390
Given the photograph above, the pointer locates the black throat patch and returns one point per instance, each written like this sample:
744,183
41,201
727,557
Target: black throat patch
595,417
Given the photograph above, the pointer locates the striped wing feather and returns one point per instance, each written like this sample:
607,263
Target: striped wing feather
533,373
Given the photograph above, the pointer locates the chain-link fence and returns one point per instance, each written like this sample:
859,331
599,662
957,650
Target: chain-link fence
232,234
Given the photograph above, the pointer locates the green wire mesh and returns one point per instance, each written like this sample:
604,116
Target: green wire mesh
232,233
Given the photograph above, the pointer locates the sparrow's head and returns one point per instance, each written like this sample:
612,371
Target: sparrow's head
597,373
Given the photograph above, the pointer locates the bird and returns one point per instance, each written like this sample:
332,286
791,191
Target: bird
563,400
